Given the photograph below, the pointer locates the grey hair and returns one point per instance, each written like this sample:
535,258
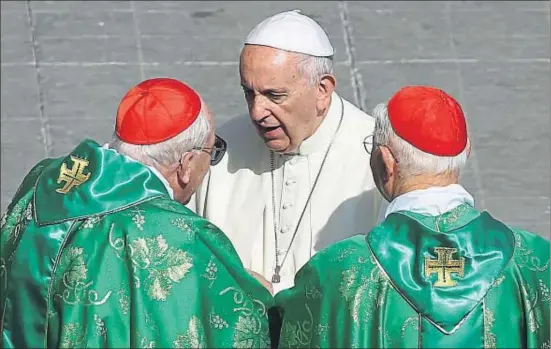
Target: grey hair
313,67
169,152
412,161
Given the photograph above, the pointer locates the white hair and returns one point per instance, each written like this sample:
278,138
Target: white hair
412,161
168,152
313,68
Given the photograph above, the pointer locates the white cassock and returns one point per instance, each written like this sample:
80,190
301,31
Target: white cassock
236,195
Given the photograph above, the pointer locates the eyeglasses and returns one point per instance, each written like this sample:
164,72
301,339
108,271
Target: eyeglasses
369,144
217,152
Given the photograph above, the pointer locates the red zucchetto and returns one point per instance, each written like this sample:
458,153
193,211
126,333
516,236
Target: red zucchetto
156,110
429,119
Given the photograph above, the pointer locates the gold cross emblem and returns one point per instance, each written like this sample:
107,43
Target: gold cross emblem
444,266
73,177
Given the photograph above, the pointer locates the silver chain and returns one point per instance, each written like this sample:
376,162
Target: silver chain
276,277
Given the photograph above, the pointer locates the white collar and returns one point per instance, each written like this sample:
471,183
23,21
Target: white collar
153,169
433,201
323,135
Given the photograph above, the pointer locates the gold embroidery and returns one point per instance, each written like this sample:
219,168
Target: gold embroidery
100,326
299,334
533,313
250,330
312,292
210,272
413,322
144,342
544,290
342,254
73,177
180,223
217,322
72,336
357,288
386,338
124,302
524,257
489,336
91,222
444,266
138,218
321,331
74,279
165,264
193,337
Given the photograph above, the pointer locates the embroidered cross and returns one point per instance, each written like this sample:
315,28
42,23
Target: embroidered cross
72,177
444,266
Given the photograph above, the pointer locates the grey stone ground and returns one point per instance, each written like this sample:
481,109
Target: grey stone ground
65,66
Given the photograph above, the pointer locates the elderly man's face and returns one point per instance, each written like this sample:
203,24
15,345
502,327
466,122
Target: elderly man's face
282,104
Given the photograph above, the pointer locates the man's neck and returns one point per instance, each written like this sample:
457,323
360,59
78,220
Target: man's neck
424,182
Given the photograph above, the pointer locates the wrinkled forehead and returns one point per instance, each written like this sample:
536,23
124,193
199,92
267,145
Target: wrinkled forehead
267,65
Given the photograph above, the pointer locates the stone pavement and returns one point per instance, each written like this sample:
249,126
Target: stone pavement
66,65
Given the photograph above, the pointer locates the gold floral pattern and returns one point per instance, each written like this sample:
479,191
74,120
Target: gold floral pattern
100,326
530,301
73,335
91,222
312,292
251,330
139,220
356,288
524,256
298,333
75,288
217,322
193,337
165,264
489,336
124,302
210,272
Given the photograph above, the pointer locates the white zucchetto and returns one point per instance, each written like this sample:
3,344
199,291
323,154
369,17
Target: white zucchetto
294,32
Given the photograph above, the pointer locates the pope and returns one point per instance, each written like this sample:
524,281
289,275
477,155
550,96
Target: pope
294,179
98,249
436,273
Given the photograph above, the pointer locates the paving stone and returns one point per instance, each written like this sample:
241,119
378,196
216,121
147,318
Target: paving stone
22,148
16,50
19,93
66,134
99,49
85,92
77,23
79,6
381,81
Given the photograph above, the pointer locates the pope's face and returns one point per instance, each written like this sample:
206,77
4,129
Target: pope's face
282,103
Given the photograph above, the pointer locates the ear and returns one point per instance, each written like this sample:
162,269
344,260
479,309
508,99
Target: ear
185,168
389,161
325,89
327,85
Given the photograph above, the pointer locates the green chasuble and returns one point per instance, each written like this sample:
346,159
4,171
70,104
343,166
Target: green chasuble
94,253
459,280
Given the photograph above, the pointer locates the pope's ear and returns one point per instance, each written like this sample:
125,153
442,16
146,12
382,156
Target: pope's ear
185,167
327,85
